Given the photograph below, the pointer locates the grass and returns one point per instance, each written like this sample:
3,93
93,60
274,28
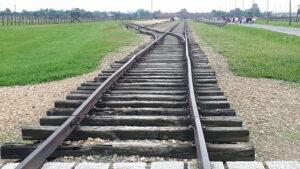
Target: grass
34,54
279,23
255,52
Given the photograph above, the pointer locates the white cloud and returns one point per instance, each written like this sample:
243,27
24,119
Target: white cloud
132,5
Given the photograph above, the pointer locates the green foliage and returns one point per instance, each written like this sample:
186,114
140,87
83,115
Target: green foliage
142,13
34,54
81,13
255,10
255,52
237,12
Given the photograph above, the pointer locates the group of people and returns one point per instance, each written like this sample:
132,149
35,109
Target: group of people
241,20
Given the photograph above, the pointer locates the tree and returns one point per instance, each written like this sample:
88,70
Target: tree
237,13
142,13
183,14
218,13
7,11
255,10
52,14
156,14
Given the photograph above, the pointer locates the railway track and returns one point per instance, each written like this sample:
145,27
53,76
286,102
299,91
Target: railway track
147,104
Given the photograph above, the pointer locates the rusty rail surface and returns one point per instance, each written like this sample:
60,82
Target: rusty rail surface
202,154
182,39
45,149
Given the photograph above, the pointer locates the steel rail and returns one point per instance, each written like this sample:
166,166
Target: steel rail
45,149
154,36
202,153
182,39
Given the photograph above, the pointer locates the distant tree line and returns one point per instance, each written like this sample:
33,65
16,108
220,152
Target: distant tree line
51,16
254,11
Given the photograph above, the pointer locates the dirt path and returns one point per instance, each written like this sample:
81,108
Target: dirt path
269,108
149,22
25,105
281,29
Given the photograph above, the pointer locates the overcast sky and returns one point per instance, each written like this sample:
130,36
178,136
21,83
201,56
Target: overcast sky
132,5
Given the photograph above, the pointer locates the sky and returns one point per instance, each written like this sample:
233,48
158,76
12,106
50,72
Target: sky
163,5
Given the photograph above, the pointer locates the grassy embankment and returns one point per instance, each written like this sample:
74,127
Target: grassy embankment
255,52
34,54
279,23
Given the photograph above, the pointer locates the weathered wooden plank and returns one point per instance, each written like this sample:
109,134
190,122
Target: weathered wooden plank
213,121
217,112
141,104
122,111
121,121
212,134
231,152
208,105
113,133
123,97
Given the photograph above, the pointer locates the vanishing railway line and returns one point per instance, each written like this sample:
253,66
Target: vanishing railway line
151,103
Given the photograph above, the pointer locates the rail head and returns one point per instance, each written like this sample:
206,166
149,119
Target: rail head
45,149
202,154
131,25
181,38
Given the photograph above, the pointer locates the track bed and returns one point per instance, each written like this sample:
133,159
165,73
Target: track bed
149,102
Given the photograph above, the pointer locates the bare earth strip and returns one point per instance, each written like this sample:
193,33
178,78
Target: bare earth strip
269,108
281,29
149,22
25,105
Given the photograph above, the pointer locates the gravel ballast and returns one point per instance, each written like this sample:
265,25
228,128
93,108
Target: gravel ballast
269,108
25,105
149,22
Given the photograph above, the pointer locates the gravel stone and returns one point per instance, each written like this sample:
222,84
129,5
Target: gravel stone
10,166
116,158
55,165
245,165
161,27
169,165
192,166
214,165
92,166
129,165
270,109
2,162
148,22
217,165
95,141
283,164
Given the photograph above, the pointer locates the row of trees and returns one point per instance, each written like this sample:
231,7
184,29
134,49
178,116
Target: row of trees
254,11
141,13
45,16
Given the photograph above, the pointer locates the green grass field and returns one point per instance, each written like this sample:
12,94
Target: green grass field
255,52
279,23
34,54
